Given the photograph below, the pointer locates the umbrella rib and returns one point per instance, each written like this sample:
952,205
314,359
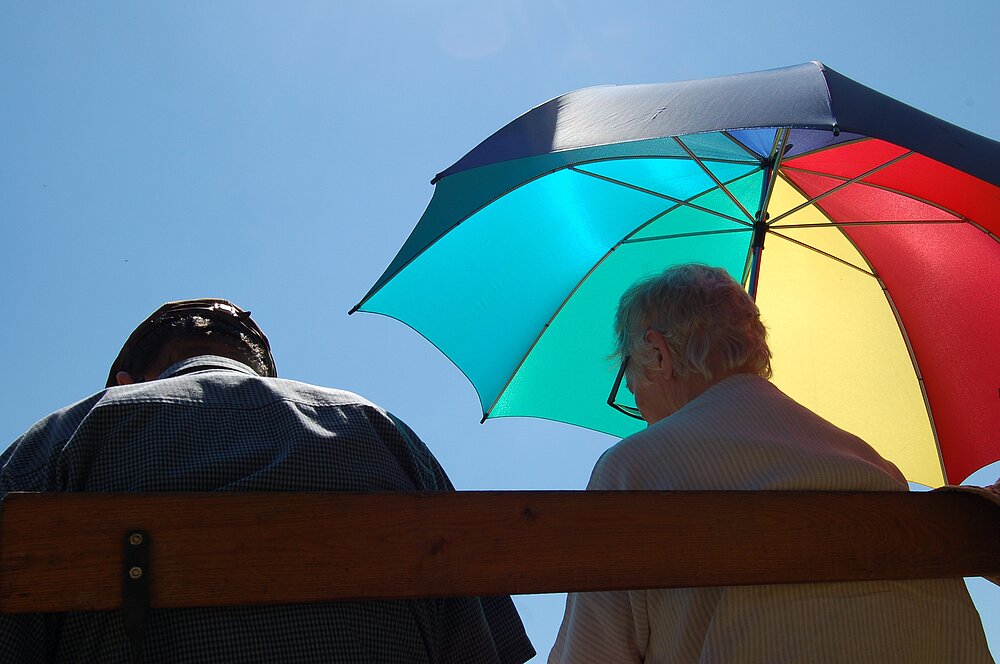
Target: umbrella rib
832,146
745,148
668,157
840,186
678,201
959,217
988,232
823,253
569,296
716,180
895,313
920,377
870,271
527,353
822,148
884,222
573,168
680,235
447,230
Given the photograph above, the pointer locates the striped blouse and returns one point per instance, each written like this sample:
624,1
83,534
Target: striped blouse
745,434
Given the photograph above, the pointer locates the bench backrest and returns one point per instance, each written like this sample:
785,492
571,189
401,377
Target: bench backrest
61,552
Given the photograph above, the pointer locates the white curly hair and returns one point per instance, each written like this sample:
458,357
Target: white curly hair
710,323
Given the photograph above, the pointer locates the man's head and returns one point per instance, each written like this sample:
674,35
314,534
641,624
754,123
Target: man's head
188,328
684,330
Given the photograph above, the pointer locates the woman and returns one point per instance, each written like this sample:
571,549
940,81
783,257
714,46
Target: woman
694,354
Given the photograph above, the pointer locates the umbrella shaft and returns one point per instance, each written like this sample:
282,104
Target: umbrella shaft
754,270
757,248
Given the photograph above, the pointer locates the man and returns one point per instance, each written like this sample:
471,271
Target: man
695,356
193,404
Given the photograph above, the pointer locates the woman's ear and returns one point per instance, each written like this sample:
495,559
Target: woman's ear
656,339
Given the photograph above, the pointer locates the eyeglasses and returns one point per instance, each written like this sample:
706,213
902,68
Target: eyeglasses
624,403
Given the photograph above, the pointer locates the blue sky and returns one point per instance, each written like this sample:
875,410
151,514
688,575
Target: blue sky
278,154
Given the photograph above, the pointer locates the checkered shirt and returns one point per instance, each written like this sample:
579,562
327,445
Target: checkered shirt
211,424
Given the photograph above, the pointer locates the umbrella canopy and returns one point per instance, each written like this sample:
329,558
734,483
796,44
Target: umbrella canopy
866,230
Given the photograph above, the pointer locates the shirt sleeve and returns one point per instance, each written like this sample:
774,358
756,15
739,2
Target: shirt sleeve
24,637
501,628
428,473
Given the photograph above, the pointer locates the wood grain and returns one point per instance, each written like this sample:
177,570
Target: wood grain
61,552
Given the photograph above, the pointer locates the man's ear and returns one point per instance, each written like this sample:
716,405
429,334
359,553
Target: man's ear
656,339
124,378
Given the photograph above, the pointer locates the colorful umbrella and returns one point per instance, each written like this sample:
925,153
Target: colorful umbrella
866,229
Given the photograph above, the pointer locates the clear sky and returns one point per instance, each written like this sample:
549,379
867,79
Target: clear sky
278,154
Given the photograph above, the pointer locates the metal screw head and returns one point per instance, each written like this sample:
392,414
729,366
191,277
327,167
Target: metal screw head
135,539
135,572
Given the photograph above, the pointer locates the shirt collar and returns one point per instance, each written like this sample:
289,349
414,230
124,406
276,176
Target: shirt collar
721,390
204,363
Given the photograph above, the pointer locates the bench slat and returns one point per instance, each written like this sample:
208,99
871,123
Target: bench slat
61,552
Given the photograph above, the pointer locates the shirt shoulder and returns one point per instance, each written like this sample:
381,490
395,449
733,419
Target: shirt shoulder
744,434
24,464
646,460
213,428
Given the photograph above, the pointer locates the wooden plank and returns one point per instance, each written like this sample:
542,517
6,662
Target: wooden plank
62,552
